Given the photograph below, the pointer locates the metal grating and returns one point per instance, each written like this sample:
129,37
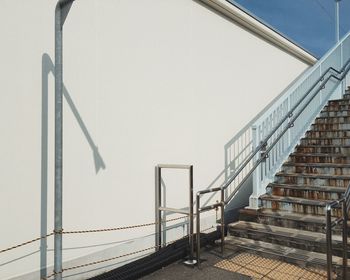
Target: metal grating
269,269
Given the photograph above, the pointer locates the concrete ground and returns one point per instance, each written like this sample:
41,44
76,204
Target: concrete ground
236,265
211,256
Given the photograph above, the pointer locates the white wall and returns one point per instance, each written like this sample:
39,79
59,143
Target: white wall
148,82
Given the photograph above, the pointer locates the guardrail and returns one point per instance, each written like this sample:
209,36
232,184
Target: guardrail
344,203
292,113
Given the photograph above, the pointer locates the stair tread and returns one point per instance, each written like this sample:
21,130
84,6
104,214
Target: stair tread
322,146
320,155
324,138
331,117
309,218
308,187
285,232
297,200
283,251
318,164
312,175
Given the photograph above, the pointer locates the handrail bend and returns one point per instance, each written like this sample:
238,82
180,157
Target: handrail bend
264,150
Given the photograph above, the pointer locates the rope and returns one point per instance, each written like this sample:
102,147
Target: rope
26,243
109,259
86,231
120,228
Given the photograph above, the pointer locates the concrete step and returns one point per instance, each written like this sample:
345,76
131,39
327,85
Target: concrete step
336,107
307,222
344,101
319,158
330,126
316,168
313,179
325,141
306,191
294,238
332,120
335,113
297,205
326,149
327,133
283,253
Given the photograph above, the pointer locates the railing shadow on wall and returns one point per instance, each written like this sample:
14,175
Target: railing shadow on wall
235,151
47,68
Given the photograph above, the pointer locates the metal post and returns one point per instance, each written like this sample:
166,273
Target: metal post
61,12
191,214
190,260
158,204
198,231
345,239
329,242
337,22
222,220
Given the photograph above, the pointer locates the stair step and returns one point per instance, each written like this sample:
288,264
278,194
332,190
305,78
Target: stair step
338,102
330,126
336,107
327,149
313,179
319,158
300,239
328,133
332,120
316,168
338,133
306,191
335,113
307,222
297,205
287,254
334,141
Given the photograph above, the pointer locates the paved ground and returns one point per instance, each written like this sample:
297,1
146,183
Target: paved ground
208,269
236,266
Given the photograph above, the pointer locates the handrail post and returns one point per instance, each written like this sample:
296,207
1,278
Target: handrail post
158,214
254,197
198,230
329,242
345,238
191,260
222,220
61,12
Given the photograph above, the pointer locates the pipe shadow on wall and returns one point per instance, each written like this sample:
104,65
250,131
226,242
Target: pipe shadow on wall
47,68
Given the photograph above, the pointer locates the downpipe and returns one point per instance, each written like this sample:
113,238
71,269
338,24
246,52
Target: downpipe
61,12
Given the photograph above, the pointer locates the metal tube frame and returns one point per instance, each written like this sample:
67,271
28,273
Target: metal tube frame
61,12
200,210
329,242
337,21
159,208
344,202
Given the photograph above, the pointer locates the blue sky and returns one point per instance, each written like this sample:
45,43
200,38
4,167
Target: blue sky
309,23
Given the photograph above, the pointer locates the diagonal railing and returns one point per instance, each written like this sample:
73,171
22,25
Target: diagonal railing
278,130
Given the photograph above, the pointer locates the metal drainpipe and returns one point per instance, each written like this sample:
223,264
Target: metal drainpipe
61,12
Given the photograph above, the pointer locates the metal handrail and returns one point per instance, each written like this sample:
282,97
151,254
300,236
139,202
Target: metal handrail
344,202
262,148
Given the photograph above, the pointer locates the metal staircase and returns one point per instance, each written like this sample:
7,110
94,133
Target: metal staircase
291,223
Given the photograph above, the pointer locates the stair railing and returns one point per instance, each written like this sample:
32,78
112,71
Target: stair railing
344,203
271,140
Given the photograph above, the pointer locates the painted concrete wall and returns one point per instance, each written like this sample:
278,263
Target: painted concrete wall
146,82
